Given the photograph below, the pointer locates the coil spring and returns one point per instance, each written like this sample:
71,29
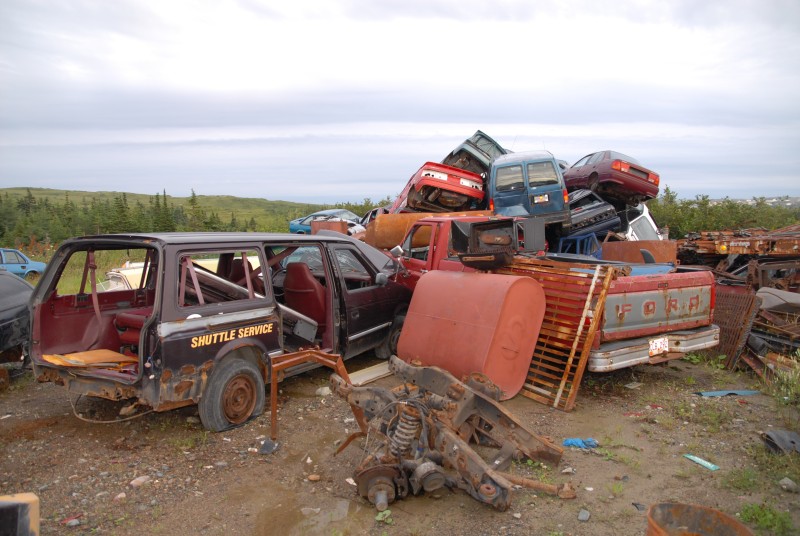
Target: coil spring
405,432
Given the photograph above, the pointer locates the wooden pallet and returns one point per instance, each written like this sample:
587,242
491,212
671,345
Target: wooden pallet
575,296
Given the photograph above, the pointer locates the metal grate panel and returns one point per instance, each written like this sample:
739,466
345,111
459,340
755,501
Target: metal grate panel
575,296
735,309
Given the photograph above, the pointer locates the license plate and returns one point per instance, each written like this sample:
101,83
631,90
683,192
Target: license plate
659,346
544,198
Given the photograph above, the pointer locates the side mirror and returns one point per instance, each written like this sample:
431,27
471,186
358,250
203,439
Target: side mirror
396,252
381,279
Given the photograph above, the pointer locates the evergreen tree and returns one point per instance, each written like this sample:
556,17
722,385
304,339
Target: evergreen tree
197,216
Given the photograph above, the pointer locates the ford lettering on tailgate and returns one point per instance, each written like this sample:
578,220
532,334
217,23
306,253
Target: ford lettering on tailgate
650,312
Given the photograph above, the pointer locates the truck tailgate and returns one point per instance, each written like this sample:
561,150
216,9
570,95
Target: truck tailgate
639,306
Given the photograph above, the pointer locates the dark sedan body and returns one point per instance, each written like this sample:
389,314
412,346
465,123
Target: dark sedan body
616,177
14,316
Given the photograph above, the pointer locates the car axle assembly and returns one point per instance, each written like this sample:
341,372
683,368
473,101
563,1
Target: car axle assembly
424,429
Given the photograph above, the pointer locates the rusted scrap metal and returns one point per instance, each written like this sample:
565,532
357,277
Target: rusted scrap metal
781,274
280,363
631,250
575,298
775,334
785,241
424,429
781,330
734,312
762,272
767,365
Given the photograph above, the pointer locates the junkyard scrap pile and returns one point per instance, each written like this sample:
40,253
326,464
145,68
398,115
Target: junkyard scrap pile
758,305
520,277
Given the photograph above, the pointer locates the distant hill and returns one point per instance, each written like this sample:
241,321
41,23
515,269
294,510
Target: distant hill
264,211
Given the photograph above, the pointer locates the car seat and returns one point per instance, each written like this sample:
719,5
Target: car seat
304,294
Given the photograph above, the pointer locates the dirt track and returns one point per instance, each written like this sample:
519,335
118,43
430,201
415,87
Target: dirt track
203,483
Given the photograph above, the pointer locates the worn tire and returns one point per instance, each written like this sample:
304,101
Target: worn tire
388,347
234,394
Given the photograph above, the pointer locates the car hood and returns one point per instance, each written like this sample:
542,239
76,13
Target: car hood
481,148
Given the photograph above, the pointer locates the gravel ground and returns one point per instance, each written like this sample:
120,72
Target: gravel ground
162,473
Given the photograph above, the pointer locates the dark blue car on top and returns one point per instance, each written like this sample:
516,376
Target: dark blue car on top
529,184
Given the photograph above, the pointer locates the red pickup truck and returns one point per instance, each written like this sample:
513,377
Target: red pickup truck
646,318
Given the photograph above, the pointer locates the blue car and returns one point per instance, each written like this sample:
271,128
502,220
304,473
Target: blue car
17,263
303,225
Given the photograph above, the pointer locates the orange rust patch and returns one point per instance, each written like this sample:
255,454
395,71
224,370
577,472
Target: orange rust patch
182,387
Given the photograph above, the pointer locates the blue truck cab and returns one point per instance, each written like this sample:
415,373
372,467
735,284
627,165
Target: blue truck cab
529,184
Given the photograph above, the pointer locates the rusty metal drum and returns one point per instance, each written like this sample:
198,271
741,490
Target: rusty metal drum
474,322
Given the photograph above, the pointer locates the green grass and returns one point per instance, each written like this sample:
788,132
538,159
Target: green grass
744,479
767,519
535,470
774,467
711,414
616,489
196,439
785,387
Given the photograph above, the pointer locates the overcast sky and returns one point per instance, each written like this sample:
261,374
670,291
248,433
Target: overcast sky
337,100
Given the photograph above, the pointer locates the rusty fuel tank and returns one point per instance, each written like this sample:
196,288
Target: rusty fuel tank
474,322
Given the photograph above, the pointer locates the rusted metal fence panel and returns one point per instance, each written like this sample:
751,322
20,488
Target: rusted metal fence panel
735,309
575,295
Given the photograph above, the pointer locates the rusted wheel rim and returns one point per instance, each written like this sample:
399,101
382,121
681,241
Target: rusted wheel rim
239,399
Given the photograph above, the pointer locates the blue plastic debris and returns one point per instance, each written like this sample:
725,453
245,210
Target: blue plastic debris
726,393
587,443
708,465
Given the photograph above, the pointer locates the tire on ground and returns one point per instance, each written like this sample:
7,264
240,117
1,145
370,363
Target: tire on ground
234,394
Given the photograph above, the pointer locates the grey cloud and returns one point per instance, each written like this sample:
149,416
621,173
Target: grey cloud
779,13
574,106
761,124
